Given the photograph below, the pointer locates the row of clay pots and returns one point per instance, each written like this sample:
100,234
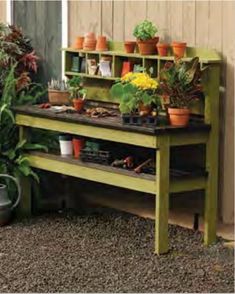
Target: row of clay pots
149,47
89,42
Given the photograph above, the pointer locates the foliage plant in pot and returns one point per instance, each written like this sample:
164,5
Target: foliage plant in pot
180,81
137,93
145,33
77,92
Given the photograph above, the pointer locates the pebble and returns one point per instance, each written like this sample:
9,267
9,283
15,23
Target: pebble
108,251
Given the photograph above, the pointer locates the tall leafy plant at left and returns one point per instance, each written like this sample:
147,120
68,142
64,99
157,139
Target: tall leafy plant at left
16,88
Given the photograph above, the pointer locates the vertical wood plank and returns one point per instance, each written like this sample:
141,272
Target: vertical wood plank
135,12
3,14
118,20
202,24
175,10
107,18
189,22
35,17
157,13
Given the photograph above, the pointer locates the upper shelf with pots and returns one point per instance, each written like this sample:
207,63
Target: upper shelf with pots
118,49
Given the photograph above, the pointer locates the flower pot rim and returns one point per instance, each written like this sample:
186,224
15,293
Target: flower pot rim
163,45
179,111
178,44
130,42
153,40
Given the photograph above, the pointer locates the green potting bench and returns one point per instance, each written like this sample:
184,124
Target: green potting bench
161,139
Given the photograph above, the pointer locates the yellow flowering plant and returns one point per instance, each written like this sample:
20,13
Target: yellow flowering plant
134,89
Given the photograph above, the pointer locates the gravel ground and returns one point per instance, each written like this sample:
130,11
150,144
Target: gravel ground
108,252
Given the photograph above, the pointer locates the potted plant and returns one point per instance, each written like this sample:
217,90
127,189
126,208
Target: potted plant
77,92
180,81
57,92
145,33
137,93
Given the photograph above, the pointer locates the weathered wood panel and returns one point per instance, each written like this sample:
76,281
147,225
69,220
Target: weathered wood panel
41,21
200,23
84,16
3,14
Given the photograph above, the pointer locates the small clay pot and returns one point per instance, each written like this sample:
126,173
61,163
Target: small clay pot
162,49
89,42
144,109
148,47
78,144
130,46
179,49
78,104
79,42
179,116
101,44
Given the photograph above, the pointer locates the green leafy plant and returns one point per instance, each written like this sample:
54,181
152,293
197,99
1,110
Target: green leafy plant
181,82
75,87
13,159
145,30
135,89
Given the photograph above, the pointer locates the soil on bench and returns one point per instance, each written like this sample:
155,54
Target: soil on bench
108,252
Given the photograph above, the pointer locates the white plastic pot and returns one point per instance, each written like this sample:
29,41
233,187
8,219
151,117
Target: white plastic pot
66,145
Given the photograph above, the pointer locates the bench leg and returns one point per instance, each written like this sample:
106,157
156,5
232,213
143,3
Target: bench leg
25,206
162,195
211,193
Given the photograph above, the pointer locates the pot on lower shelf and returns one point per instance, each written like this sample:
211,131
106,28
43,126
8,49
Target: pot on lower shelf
78,104
148,47
66,147
179,116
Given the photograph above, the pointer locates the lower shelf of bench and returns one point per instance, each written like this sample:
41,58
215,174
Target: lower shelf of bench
110,175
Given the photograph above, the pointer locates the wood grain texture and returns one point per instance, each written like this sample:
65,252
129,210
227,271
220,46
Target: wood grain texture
41,21
84,16
3,14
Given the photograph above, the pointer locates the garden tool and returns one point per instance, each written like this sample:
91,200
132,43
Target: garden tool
6,205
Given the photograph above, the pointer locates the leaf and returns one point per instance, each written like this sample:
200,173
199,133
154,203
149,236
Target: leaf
20,144
117,90
25,169
34,146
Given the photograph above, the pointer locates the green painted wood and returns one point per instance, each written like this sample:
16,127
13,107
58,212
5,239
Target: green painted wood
25,205
93,172
162,195
211,86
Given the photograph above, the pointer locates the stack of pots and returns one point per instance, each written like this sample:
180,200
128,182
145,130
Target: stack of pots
89,42
79,43
101,44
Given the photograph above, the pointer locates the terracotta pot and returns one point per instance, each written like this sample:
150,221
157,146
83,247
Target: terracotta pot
101,44
78,104
148,47
89,42
79,43
144,109
179,116
130,46
162,49
179,49
78,144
